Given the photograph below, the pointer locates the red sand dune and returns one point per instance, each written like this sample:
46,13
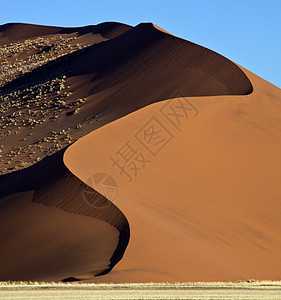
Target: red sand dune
198,184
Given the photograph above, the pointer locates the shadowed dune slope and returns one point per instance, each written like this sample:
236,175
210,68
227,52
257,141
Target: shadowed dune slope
145,58
202,195
48,229
115,77
139,67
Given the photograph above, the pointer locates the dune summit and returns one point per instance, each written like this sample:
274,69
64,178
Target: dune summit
131,155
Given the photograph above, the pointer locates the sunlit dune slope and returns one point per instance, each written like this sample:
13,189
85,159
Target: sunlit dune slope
198,180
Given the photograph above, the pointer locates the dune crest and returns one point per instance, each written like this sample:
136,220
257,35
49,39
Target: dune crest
161,29
18,31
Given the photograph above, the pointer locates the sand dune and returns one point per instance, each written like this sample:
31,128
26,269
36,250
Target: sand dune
205,207
179,145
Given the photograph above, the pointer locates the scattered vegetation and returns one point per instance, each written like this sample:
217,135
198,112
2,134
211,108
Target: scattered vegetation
19,58
25,110
43,117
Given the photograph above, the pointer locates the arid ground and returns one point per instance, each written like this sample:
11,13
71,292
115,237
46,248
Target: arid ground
237,290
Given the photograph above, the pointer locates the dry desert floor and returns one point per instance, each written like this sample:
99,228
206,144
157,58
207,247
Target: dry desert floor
200,290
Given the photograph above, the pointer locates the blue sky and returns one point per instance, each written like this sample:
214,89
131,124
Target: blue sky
246,31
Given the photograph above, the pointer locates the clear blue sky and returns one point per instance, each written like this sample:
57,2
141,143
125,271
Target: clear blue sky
246,31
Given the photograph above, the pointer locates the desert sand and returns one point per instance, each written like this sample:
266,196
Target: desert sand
140,157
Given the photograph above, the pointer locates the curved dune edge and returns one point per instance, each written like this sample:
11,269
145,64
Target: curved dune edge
205,213
161,29
50,232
